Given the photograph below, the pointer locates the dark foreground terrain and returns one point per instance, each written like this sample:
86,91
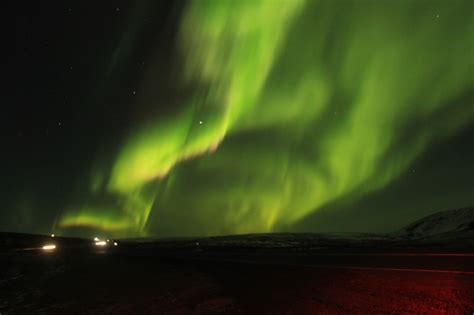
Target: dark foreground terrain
262,274
424,268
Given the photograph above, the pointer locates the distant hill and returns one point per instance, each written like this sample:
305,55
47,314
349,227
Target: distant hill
443,230
450,223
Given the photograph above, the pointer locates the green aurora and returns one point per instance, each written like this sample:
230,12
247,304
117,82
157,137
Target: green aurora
295,104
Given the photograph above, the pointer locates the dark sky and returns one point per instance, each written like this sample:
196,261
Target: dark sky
67,101
202,118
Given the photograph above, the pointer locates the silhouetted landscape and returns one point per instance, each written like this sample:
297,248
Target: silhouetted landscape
426,267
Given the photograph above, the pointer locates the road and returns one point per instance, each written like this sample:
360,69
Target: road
236,283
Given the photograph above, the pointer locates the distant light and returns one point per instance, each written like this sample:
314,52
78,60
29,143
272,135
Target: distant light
49,247
101,243
96,239
197,243
115,244
52,235
200,122
108,241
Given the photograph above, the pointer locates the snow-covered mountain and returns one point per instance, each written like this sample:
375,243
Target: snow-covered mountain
449,223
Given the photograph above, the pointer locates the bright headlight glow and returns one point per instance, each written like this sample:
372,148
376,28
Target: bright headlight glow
115,244
49,247
101,243
96,239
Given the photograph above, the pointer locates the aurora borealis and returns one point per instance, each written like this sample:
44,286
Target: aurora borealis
255,116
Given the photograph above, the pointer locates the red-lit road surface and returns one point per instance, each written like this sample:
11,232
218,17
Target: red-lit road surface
438,283
345,283
341,283
356,290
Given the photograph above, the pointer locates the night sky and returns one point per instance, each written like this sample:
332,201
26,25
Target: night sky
178,118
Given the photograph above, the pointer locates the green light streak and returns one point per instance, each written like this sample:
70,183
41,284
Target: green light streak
96,218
